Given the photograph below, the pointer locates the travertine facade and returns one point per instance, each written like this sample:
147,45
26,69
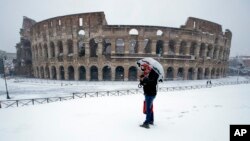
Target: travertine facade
84,47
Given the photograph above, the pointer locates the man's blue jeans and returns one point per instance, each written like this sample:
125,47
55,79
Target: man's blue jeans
149,114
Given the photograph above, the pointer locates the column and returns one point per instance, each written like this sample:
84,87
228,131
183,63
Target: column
153,47
165,47
177,47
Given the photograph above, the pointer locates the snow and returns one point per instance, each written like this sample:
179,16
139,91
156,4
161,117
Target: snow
190,115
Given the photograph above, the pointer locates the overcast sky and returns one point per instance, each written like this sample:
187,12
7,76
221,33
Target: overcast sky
231,14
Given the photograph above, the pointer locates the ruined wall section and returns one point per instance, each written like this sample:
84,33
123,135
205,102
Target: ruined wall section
23,65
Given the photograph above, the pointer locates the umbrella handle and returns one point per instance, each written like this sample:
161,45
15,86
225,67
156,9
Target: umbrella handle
139,85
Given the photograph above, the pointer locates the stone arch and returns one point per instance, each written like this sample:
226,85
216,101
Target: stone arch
190,74
217,73
133,46
133,32
37,72
119,73
171,47
61,73
45,50
207,71
170,73
93,48
47,73
70,47
210,51
52,49
199,74
42,71
180,74
71,73
192,48
132,74
159,47
119,46
93,73
60,48
106,73
213,73
183,47
202,50
215,52
106,47
53,72
82,73
81,48
40,50
147,46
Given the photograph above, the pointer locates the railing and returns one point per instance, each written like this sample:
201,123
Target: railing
36,101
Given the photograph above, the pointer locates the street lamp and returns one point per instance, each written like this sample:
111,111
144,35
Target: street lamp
4,75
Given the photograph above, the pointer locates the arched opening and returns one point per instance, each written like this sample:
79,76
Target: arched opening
215,52
106,73
60,48
218,73
170,73
182,48
61,73
133,32
82,73
190,74
159,33
70,47
81,48
213,73
207,73
47,73
45,51
52,49
71,73
93,48
199,74
119,73
133,46
192,48
202,50
132,74
180,74
53,72
171,46
159,47
81,33
106,47
94,73
42,72
37,72
147,45
119,49
209,51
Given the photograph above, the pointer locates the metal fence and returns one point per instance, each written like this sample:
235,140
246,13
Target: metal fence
36,101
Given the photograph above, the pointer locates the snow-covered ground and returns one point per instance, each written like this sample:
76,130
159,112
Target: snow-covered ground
191,115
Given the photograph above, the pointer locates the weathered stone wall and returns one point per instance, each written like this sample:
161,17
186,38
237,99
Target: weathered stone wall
85,47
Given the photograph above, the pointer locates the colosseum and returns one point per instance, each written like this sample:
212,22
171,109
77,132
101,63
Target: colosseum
85,47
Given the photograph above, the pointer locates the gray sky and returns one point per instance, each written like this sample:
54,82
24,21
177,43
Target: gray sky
231,14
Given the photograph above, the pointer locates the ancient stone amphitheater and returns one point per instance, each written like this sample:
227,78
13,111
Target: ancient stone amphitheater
85,47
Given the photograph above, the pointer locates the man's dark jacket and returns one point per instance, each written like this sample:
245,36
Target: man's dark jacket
149,83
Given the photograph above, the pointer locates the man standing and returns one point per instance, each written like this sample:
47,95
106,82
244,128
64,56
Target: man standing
149,80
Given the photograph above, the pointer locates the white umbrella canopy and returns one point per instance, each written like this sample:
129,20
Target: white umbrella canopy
155,65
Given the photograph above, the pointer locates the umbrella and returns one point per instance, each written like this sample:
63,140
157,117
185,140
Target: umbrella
155,65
